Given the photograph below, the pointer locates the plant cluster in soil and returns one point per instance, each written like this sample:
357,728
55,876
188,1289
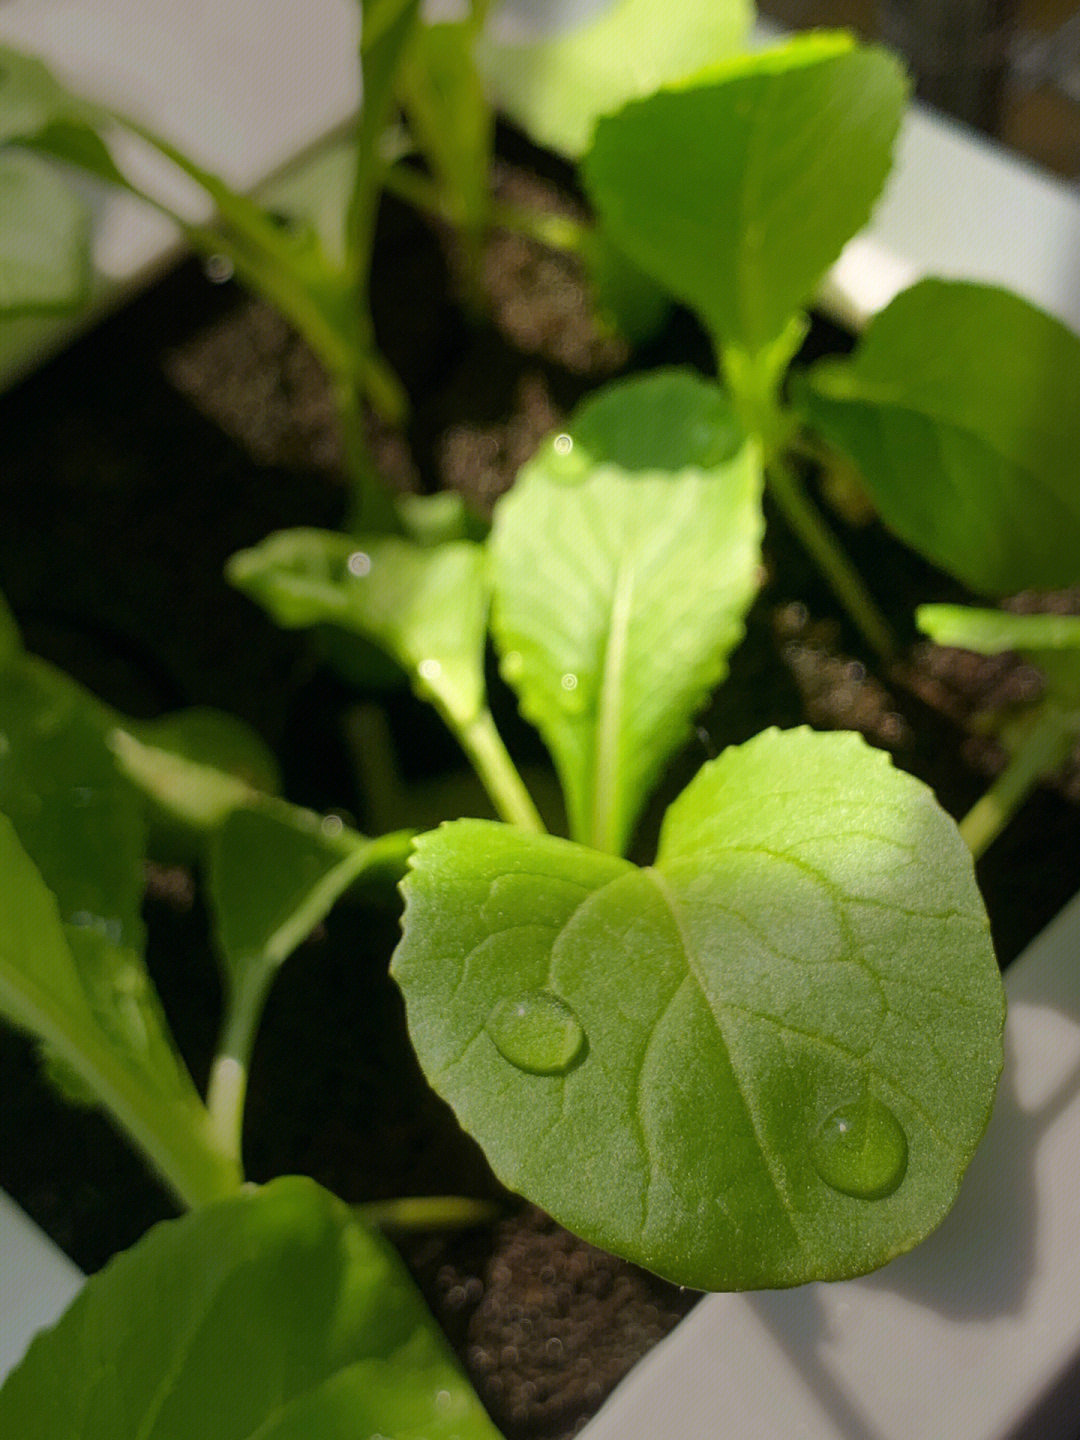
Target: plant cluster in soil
192,425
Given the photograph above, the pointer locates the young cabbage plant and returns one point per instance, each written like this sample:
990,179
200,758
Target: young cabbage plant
748,1038
958,407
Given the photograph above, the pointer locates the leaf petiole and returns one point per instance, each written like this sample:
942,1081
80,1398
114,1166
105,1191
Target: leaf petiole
825,550
1047,741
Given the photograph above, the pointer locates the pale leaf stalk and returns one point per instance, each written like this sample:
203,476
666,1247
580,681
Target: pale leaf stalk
491,760
1046,745
421,1213
825,550
227,1089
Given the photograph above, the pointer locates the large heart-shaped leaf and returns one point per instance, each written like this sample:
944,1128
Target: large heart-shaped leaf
725,189
623,562
765,1060
426,607
960,409
273,1315
556,86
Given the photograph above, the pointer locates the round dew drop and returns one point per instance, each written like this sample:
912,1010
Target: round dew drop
861,1150
537,1032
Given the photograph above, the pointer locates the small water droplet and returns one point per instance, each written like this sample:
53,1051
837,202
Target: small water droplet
218,269
537,1032
861,1150
359,564
443,1400
563,444
332,825
513,666
571,696
429,669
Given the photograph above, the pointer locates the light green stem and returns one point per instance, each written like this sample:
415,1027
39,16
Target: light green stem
826,552
227,1089
1043,750
490,759
427,1212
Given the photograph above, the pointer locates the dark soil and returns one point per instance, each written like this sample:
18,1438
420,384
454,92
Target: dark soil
193,424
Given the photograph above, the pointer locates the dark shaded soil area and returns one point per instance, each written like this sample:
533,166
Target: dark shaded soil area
192,425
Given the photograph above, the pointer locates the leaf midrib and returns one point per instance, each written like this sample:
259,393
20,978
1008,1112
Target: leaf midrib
603,824
787,1205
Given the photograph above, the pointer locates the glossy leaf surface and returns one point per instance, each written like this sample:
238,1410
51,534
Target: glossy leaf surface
426,607
725,189
555,87
274,1314
623,562
807,965
960,410
1052,642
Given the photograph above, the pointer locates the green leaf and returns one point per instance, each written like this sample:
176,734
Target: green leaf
84,829
1052,642
556,87
623,562
427,608
44,992
196,765
32,99
275,873
788,1030
625,297
274,1314
960,410
439,88
44,239
387,28
725,189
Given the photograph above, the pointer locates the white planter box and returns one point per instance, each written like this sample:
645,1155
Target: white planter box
977,1334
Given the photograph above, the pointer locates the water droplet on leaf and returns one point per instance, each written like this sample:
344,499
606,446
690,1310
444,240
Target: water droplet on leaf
513,666
537,1032
861,1150
218,269
359,564
563,444
429,669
